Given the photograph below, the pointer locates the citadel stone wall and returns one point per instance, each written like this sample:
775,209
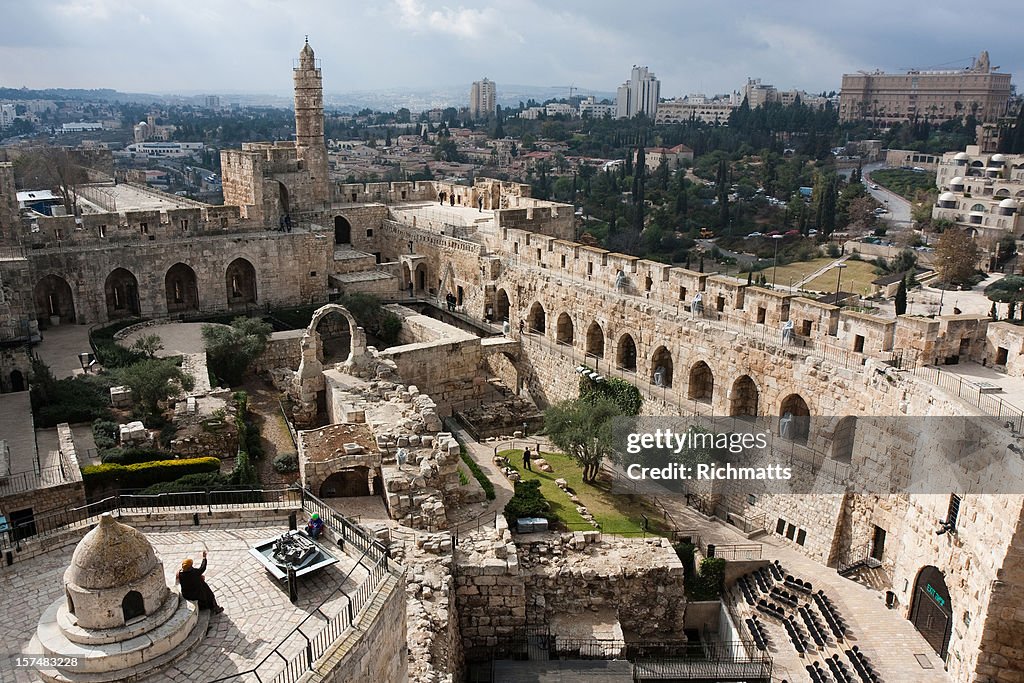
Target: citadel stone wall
289,268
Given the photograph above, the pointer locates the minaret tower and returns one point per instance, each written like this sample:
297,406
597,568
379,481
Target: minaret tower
309,125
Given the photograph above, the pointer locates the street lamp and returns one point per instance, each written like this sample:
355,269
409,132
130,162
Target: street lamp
839,276
775,261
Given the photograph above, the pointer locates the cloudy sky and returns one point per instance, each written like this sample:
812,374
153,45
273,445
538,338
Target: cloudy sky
224,46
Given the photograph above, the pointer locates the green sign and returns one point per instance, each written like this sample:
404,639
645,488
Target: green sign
935,595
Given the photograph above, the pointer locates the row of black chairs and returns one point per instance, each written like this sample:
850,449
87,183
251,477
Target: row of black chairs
813,626
798,584
861,665
745,590
839,670
796,635
817,674
771,609
758,633
784,596
832,617
777,571
763,580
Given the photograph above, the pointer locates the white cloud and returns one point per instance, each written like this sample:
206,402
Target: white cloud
462,22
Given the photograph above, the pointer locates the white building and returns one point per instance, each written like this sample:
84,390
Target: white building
981,192
172,150
638,95
715,110
596,110
8,113
80,127
559,108
482,99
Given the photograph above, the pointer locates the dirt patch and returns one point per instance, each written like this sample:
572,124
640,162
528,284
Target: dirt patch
274,435
328,442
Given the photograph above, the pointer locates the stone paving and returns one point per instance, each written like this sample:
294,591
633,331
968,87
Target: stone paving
16,429
257,614
888,640
60,348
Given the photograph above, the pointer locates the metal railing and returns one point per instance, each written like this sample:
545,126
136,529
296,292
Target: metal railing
373,558
19,482
972,393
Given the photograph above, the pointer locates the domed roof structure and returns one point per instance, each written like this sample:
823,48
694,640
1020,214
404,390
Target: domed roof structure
998,158
961,156
112,554
1008,204
958,180
947,197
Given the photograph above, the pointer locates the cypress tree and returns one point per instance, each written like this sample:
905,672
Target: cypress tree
901,297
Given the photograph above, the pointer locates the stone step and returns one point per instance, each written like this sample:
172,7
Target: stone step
107,657
138,672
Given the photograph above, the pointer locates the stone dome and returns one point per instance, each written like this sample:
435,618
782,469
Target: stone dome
958,180
961,156
947,197
112,554
1008,204
998,158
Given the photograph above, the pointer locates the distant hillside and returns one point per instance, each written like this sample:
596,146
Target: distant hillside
95,95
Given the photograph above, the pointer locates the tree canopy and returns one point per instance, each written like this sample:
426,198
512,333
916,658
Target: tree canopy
230,350
582,429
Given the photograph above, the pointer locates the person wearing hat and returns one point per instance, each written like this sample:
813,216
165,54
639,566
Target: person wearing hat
193,585
315,526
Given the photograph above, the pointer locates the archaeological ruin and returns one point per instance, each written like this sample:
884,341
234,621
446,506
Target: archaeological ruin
433,583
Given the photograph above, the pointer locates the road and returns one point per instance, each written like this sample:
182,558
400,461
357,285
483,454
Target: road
899,208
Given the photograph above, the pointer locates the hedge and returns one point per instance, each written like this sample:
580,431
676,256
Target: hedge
143,474
478,474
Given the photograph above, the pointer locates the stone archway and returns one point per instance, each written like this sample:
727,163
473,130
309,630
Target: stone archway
17,380
282,198
132,606
182,289
625,353
564,329
54,300
342,230
843,437
794,418
930,610
349,482
502,306
121,290
661,367
701,386
335,334
240,280
595,341
420,277
357,347
536,321
743,398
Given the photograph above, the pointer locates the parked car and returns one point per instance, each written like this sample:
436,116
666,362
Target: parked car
812,232
875,187
754,234
792,233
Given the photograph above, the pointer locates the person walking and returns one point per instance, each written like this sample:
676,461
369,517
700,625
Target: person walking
526,458
194,587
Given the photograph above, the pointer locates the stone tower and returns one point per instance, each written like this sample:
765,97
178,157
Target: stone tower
309,125
8,205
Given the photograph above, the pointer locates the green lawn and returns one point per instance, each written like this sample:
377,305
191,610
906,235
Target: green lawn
856,277
614,512
794,272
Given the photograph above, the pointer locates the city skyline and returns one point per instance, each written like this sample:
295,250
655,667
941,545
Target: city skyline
420,44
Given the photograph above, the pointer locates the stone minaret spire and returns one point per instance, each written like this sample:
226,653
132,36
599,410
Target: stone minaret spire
309,125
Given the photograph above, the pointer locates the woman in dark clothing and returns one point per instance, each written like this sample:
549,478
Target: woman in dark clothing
193,585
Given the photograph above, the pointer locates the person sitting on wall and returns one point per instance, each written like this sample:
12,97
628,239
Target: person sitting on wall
193,585
315,526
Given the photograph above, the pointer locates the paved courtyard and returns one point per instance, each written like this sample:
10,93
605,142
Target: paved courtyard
257,614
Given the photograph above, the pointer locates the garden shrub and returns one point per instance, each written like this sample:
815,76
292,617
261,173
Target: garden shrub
528,501
286,463
141,475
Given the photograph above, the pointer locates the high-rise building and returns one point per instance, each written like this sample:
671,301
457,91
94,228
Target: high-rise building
927,95
213,101
639,94
482,99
